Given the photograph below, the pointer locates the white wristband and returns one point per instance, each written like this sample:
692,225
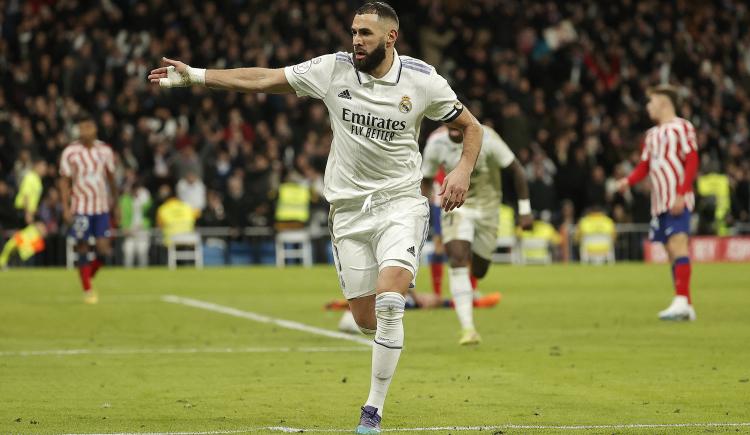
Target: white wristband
197,75
524,207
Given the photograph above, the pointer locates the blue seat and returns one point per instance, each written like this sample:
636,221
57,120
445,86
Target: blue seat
240,253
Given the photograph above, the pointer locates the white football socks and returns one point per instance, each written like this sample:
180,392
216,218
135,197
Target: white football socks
389,339
463,296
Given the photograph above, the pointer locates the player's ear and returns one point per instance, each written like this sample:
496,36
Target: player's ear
391,37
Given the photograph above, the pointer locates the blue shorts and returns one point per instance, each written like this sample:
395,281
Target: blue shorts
435,220
90,225
666,225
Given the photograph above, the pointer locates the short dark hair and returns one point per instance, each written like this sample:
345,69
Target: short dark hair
668,91
381,9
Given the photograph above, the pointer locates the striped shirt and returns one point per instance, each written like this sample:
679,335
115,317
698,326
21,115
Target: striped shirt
665,149
87,169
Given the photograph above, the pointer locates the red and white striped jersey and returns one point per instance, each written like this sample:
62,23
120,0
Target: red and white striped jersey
665,149
87,168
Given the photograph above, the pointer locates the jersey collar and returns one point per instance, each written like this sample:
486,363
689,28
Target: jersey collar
391,77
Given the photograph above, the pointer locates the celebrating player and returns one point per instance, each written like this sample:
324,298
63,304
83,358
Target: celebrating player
88,164
470,233
670,159
378,220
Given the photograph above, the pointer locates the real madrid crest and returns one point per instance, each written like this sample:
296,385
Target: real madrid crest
405,105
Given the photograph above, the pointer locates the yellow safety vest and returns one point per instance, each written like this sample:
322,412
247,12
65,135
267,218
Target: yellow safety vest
30,191
544,231
507,221
717,185
596,224
175,217
293,204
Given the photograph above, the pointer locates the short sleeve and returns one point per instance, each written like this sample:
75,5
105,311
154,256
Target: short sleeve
430,159
644,147
442,103
110,160
688,138
501,152
312,78
65,169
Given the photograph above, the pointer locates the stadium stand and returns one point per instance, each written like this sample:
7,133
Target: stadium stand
563,83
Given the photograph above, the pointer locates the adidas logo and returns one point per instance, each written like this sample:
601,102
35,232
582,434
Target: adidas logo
411,251
345,94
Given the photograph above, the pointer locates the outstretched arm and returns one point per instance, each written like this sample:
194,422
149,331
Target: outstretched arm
253,80
456,183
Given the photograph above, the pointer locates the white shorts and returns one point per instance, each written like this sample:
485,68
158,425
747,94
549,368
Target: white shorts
368,239
476,226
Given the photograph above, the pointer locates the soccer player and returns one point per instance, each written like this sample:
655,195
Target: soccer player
378,220
470,233
670,159
88,189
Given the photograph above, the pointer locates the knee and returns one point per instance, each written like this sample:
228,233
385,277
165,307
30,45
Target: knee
457,259
458,254
389,306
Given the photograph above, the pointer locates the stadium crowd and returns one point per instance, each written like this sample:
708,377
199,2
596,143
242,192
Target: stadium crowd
563,83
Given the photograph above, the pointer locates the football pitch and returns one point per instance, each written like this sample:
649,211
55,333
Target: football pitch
569,349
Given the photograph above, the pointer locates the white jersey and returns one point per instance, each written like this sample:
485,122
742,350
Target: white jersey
375,121
87,169
485,190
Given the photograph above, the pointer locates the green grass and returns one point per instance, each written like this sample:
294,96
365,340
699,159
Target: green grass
568,345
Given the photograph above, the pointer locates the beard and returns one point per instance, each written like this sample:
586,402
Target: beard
371,60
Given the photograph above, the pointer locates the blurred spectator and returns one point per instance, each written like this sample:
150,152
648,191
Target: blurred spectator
540,244
134,209
214,214
51,210
175,217
237,204
30,193
542,189
596,191
714,195
595,234
561,81
192,191
740,183
8,215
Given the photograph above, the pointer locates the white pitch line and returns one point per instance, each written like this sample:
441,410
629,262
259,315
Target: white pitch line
441,428
167,351
288,324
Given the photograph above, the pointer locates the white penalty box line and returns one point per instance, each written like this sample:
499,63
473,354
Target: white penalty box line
260,318
286,429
